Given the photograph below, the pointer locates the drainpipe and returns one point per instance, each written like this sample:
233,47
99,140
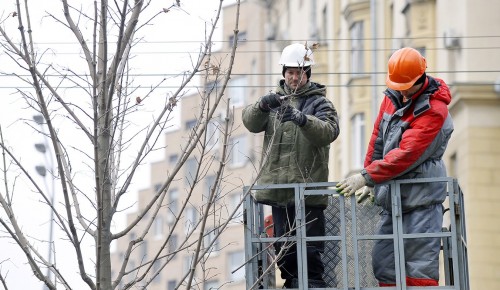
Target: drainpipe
375,92
270,38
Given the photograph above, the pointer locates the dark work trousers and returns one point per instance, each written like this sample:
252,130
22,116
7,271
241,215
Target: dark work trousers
284,225
421,254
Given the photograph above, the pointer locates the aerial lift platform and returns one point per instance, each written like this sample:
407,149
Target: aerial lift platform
349,239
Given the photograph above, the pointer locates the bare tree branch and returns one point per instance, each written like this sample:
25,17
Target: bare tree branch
94,176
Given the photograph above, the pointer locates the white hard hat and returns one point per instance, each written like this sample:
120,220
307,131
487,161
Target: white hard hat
296,55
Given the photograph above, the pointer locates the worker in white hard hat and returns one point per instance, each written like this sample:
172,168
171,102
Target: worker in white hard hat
299,124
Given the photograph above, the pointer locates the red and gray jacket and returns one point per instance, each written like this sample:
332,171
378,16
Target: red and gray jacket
408,141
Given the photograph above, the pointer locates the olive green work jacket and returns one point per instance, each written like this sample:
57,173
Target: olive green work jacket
293,154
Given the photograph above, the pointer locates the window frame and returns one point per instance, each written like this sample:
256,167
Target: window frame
173,205
191,166
358,142
158,227
234,260
208,238
237,87
190,219
239,152
356,32
234,201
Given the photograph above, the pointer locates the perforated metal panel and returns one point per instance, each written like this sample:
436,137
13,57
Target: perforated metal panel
366,221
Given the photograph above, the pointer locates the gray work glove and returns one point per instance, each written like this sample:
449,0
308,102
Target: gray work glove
348,186
270,101
364,193
289,113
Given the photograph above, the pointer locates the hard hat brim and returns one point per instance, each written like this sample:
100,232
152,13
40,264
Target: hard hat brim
399,86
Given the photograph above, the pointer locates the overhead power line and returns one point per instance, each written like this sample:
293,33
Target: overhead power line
285,40
241,49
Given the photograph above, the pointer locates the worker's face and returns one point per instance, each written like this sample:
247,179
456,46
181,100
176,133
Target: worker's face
295,77
407,94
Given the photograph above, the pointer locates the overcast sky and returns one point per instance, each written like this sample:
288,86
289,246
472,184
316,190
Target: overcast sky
184,30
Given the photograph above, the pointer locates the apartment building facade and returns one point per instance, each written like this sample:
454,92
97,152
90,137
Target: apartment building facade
460,40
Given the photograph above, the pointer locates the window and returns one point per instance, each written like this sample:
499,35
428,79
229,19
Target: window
172,244
132,268
421,50
209,184
171,284
239,151
211,237
186,266
173,204
324,24
191,219
156,269
158,227
313,27
212,135
172,158
254,75
191,166
190,124
211,285
358,140
242,37
210,86
357,56
157,187
234,203
144,251
453,165
237,91
235,261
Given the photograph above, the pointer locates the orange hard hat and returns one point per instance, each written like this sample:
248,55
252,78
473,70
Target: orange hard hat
405,66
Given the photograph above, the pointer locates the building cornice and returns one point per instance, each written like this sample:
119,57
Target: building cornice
477,92
355,11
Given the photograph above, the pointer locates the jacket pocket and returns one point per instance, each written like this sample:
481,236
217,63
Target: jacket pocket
383,196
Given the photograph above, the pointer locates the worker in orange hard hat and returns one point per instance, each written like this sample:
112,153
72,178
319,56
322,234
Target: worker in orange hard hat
409,138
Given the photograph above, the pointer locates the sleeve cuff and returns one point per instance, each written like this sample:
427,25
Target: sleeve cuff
369,180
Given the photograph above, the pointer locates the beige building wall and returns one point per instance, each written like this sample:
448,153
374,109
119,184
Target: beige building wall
460,40
476,110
